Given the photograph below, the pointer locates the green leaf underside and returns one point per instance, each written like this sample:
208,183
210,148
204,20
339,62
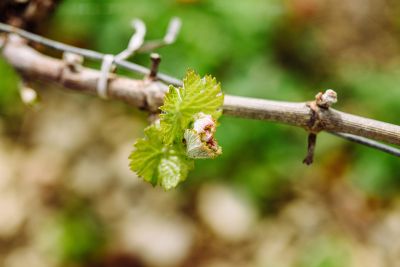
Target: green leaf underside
181,104
174,169
157,163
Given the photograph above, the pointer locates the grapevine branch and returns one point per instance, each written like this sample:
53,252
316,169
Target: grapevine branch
148,93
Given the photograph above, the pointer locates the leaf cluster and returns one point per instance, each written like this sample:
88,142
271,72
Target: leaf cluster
160,157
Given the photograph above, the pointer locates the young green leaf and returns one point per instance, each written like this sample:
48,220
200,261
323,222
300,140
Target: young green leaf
147,155
157,163
182,104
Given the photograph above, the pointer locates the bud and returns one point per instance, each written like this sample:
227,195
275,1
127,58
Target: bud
73,61
326,99
200,142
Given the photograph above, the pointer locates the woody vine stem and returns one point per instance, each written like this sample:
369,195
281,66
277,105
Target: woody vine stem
148,93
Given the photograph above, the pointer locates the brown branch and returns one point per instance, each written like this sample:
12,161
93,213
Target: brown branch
298,114
144,94
147,94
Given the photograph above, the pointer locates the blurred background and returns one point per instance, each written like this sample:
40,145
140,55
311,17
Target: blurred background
68,198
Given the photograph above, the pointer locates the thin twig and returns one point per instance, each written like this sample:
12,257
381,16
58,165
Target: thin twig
155,62
312,141
136,92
